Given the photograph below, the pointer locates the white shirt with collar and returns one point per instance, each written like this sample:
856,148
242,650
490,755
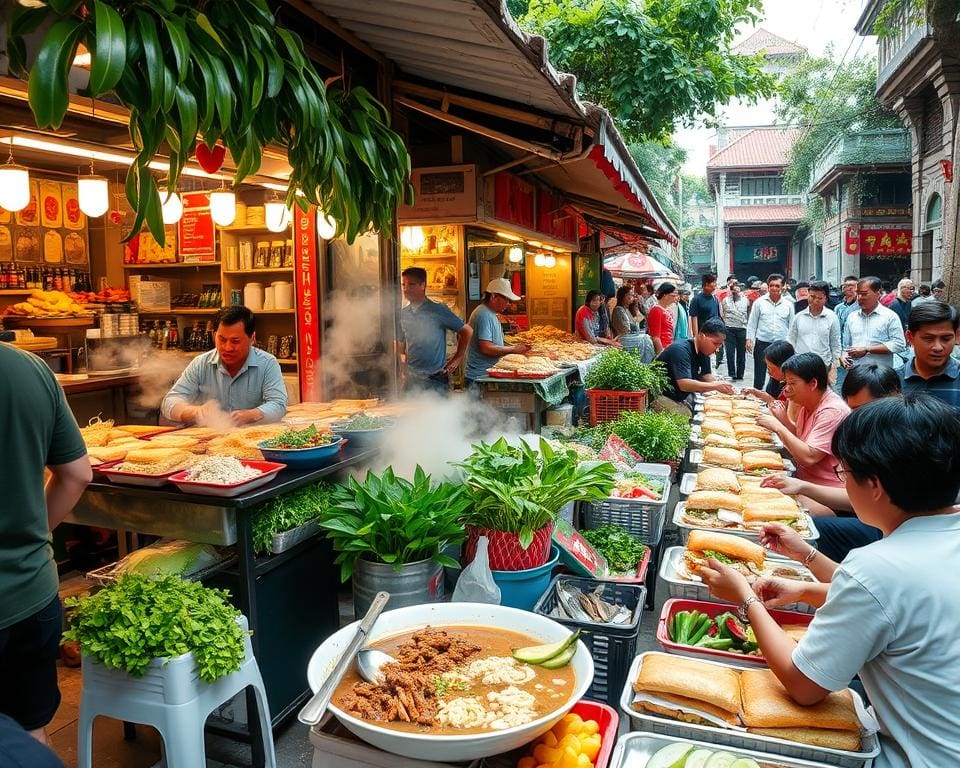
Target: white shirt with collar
881,326
819,334
769,321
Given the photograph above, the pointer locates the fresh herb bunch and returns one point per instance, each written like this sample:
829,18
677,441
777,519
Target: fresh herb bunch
388,519
283,513
620,370
655,436
361,422
519,489
137,619
292,439
622,550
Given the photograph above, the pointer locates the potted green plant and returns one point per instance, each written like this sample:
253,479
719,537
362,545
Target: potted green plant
390,533
657,437
619,381
515,493
284,521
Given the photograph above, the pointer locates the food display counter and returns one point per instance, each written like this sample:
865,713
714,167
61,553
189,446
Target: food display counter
290,600
527,398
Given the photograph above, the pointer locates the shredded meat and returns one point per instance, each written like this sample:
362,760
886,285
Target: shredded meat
407,692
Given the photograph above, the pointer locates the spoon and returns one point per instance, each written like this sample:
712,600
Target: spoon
313,710
370,664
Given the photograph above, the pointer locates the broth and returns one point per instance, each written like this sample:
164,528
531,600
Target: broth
478,688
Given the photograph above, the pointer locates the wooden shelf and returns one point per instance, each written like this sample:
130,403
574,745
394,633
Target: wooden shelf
183,311
15,292
274,312
428,256
178,265
287,361
253,229
248,272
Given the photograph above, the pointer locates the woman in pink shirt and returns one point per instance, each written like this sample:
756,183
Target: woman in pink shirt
820,412
659,321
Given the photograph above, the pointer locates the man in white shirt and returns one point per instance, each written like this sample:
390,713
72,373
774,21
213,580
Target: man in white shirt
769,321
734,309
816,329
873,333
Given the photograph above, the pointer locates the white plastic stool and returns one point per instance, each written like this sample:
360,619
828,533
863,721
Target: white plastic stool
173,699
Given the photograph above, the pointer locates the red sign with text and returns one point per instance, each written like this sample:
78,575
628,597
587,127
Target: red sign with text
885,242
308,309
195,233
851,240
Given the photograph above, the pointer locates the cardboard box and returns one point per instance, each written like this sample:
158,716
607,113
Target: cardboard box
151,295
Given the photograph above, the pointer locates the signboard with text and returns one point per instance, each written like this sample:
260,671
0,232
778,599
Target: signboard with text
885,242
443,194
308,309
195,231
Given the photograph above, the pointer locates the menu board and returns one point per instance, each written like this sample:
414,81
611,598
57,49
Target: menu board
587,275
51,229
548,294
195,232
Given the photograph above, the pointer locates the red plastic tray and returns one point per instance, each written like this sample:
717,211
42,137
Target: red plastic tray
608,720
670,607
501,373
641,576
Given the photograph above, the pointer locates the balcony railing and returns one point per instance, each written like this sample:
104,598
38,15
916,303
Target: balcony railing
865,148
733,199
910,28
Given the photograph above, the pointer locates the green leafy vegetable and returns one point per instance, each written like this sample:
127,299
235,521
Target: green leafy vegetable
293,439
391,520
137,619
620,370
361,422
719,556
655,436
518,489
286,512
622,550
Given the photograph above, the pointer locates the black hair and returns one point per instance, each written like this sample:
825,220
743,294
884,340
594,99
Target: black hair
591,295
873,283
665,289
417,274
774,276
900,441
886,285
938,284
930,312
779,352
622,291
713,327
849,277
753,279
707,279
731,277
821,286
802,284
924,289
879,380
234,315
808,367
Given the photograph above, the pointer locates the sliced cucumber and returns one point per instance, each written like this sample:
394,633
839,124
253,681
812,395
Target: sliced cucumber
745,762
537,654
561,659
698,758
671,756
721,760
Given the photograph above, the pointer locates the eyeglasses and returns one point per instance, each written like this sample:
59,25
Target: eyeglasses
841,473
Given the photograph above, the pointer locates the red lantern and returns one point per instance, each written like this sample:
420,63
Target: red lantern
947,167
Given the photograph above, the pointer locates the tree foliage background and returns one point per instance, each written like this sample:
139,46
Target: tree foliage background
662,167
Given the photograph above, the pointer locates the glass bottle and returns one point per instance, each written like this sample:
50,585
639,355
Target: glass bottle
173,335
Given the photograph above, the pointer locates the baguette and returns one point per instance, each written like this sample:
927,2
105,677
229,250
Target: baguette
144,429
766,704
711,500
716,426
752,431
720,441
743,419
734,547
717,479
662,673
758,460
769,510
753,491
718,406
722,457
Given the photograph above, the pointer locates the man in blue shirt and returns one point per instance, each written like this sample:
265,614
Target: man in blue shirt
486,346
423,336
932,332
235,377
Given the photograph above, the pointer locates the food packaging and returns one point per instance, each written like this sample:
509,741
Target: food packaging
268,297
253,296
283,295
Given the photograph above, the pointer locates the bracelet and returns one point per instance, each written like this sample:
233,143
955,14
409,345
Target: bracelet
742,608
810,555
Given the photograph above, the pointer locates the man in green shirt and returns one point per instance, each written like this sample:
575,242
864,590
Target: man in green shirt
39,432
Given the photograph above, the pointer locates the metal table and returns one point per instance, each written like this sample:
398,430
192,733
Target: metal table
274,593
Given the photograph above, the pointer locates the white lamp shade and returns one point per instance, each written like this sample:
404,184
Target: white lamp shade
550,261
412,238
515,254
539,260
172,206
277,216
223,208
14,187
327,226
93,195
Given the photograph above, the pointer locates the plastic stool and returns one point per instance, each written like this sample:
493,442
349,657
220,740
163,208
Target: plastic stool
173,699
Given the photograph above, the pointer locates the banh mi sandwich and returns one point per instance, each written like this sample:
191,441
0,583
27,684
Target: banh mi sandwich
716,426
728,458
717,479
687,690
751,490
752,433
762,462
768,707
720,441
713,509
741,554
156,461
739,419
718,406
746,406
785,510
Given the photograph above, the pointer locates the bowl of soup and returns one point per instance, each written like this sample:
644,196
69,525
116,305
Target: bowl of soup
456,694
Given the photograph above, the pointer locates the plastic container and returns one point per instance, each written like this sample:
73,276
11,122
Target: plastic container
606,405
609,721
303,458
740,739
685,528
612,645
522,589
362,439
267,469
671,607
560,415
641,517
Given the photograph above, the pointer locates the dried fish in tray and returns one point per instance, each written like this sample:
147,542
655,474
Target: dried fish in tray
577,605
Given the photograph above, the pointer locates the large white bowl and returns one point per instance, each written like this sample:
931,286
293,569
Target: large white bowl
441,747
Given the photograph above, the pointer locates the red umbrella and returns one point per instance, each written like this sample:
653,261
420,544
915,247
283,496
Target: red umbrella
638,265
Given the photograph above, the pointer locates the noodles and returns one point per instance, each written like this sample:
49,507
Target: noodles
499,670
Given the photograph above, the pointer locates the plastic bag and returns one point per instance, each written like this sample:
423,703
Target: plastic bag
476,584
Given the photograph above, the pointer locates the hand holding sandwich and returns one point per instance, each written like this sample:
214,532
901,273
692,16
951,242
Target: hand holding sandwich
775,592
725,582
785,541
773,422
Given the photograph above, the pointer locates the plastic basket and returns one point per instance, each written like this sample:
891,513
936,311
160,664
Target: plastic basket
606,405
640,517
612,646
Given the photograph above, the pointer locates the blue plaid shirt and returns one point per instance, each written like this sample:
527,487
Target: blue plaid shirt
944,386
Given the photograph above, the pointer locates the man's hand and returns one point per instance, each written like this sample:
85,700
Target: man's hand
845,361
520,349
195,414
248,416
856,352
783,540
765,397
453,363
725,582
724,387
776,592
749,345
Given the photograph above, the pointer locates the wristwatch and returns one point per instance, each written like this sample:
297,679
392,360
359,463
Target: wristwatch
742,608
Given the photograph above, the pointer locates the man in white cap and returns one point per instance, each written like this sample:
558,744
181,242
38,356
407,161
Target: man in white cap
486,344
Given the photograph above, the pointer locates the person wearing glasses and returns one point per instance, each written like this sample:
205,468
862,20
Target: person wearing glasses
819,414
884,612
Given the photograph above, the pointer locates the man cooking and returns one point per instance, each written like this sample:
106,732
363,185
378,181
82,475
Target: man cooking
486,346
235,377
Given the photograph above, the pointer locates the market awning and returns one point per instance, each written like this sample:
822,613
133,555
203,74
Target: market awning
638,265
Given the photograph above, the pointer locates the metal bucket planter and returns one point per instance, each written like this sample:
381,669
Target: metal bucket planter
414,584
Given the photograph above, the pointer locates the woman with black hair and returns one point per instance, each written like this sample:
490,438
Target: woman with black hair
588,320
659,321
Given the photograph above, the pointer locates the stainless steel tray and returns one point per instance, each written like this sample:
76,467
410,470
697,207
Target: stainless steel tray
289,539
697,442
107,574
695,457
634,750
685,528
741,739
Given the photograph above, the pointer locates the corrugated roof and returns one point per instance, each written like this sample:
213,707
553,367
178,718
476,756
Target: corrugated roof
765,42
759,148
762,214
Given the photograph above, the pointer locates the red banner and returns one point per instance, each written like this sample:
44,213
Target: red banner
851,240
885,242
195,234
308,311
513,200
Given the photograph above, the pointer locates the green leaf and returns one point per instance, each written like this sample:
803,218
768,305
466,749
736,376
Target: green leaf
153,67
204,23
109,55
180,45
48,85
